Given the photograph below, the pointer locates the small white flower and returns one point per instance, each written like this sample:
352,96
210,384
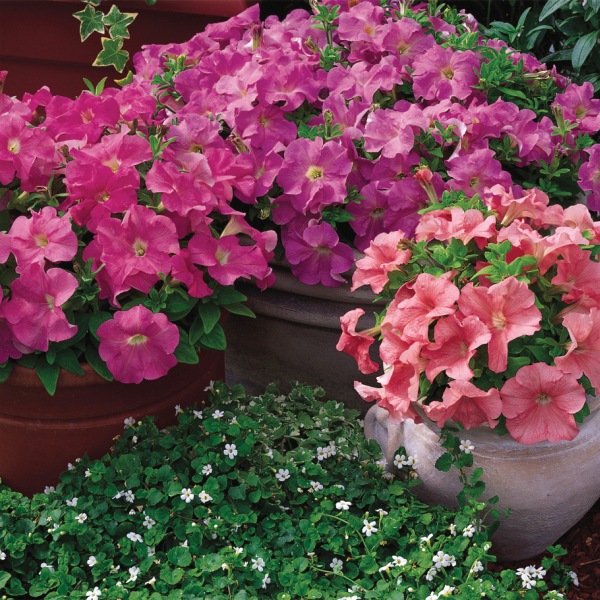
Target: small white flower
2,555
399,460
469,530
186,494
204,497
452,529
198,414
282,474
238,550
133,574
49,489
46,566
93,594
322,453
81,518
129,496
477,566
369,527
316,486
343,505
72,502
128,422
331,449
270,453
466,446
336,565
118,495
88,473
432,596
135,537
441,559
266,580
431,574
426,540
572,575
91,561
115,569
149,522
70,466
218,414
382,513
398,561
207,469
151,551
447,591
151,581
230,450
178,409
134,439
258,564
210,387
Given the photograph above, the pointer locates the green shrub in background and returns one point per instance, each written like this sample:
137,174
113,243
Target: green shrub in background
274,497
560,32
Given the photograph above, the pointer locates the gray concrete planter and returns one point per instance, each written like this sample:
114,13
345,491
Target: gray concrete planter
548,486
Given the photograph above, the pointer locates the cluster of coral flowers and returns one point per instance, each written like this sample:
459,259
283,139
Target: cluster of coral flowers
492,315
327,127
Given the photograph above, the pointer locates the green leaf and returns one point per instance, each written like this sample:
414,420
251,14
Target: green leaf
552,6
91,20
210,314
112,54
48,374
118,22
582,49
185,351
511,92
215,340
68,360
240,309
96,320
180,556
4,577
94,360
444,462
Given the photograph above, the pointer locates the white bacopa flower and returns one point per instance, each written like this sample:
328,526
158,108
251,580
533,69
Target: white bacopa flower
466,446
336,565
131,512
238,550
133,574
81,518
572,575
47,566
135,537
198,414
204,497
431,574
207,469
129,496
210,386
88,473
452,529
282,474
49,489
426,539
469,530
411,461
149,522
218,414
151,551
432,596
134,439
266,580
230,450
399,460
118,495
343,505
398,561
70,466
178,409
270,453
331,449
322,453
258,564
128,422
2,555
441,559
93,594
382,513
316,486
151,581
91,561
369,527
447,591
477,566
186,494
72,502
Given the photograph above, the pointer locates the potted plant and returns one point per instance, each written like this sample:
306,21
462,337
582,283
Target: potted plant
490,327
119,248
331,115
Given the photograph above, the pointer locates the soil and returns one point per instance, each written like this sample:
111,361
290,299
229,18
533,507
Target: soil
582,543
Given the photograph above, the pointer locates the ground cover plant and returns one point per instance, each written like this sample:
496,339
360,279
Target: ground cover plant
272,497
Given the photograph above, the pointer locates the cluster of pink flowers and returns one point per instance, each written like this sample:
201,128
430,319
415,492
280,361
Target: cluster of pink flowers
493,316
397,82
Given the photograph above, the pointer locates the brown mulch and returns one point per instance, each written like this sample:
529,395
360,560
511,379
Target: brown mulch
582,543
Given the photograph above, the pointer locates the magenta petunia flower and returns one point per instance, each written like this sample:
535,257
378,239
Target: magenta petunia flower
539,403
313,174
579,106
34,310
465,403
507,309
138,344
317,255
407,39
473,173
42,236
589,177
356,344
363,22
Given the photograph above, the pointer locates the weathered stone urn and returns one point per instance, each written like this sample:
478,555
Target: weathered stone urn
547,486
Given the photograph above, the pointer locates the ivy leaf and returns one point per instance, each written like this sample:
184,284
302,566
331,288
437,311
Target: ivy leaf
444,462
118,22
91,20
582,49
112,54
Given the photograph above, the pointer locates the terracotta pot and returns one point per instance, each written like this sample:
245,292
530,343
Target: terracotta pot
40,43
40,434
549,487
293,337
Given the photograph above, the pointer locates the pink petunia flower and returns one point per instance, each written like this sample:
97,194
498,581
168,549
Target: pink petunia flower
35,309
539,403
579,106
138,344
577,275
589,177
356,344
473,173
583,353
465,403
456,342
507,309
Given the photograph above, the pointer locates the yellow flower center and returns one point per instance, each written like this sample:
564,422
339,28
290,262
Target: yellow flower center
139,247
137,339
40,240
499,320
314,173
543,398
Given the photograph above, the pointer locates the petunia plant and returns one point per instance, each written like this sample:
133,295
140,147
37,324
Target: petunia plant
330,117
491,316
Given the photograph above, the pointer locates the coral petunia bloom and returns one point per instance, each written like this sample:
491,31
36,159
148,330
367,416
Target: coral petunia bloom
507,309
583,354
356,344
539,403
138,344
465,403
